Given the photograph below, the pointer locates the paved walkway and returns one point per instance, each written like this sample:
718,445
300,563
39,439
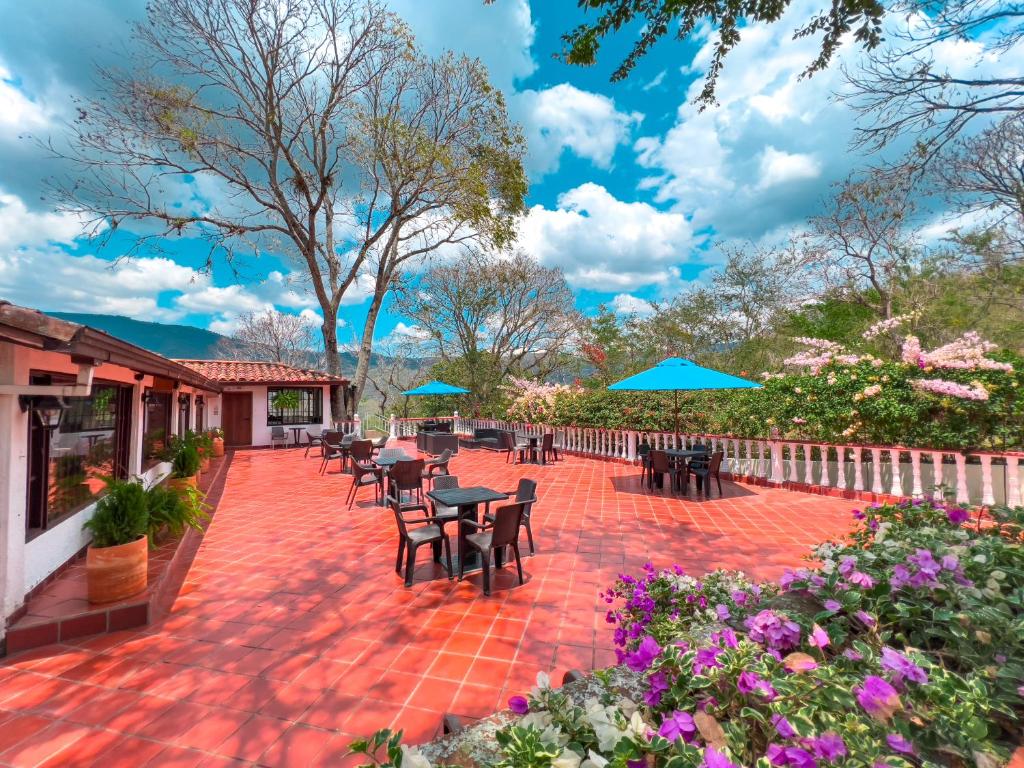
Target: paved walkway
292,633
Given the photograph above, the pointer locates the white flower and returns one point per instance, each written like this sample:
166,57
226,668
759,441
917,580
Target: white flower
566,759
594,760
543,681
604,722
413,758
638,727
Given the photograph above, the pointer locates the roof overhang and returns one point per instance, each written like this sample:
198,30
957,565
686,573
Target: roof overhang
34,329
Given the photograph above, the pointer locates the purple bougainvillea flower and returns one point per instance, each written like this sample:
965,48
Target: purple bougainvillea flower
658,684
866,618
773,630
776,754
900,743
847,565
519,705
829,746
861,579
747,682
641,659
783,727
900,576
723,612
958,515
715,759
726,637
819,637
878,698
857,514
901,667
853,655
739,597
950,562
678,725
833,605
641,763
707,658
800,758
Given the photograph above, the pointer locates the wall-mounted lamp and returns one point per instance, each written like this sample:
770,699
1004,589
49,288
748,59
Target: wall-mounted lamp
147,397
183,399
200,400
49,409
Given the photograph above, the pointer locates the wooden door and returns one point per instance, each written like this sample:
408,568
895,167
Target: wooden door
236,418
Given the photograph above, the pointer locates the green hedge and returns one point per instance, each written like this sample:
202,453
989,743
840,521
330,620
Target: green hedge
829,407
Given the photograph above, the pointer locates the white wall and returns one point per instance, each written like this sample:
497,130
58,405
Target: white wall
25,565
260,428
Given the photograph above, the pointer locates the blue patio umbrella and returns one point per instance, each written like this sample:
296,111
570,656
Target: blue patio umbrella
436,388
676,374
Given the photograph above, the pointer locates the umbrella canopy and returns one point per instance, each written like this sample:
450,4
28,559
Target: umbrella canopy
436,388
676,374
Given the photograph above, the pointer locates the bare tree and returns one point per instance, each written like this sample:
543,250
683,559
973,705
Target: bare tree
244,122
494,314
901,90
863,241
397,363
439,143
986,171
278,337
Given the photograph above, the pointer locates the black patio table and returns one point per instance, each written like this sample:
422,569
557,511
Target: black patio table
389,461
296,432
679,454
467,501
536,455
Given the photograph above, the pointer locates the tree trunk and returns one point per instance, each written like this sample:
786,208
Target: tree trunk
333,359
366,344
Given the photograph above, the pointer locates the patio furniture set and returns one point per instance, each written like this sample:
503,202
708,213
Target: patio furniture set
399,481
678,465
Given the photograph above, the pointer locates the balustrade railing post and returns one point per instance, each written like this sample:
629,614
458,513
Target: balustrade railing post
896,485
808,464
778,471
987,496
631,446
825,480
963,496
393,428
917,490
1014,497
876,471
858,469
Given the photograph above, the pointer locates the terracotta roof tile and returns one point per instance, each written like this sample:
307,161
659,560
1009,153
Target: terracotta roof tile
256,372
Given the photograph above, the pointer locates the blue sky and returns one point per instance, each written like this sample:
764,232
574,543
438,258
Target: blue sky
632,188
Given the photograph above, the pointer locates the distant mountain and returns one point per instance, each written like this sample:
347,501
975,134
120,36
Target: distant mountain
177,341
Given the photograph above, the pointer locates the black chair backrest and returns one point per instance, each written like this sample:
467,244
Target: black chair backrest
716,461
507,441
332,437
444,458
526,490
406,475
444,482
700,447
506,524
660,462
644,448
548,441
361,450
348,439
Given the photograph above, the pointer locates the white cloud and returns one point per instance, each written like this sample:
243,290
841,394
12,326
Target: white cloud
778,167
657,80
20,227
606,244
564,117
628,304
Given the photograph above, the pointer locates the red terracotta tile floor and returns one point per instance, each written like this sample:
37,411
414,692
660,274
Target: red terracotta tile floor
292,633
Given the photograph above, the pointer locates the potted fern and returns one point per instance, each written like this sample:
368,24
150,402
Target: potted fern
184,467
117,560
171,512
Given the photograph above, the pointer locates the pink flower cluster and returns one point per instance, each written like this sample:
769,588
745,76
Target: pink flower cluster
968,353
884,326
820,353
952,389
533,401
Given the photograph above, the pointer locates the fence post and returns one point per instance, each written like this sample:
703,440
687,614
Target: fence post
631,446
455,422
357,426
778,473
1014,498
393,432
962,496
987,496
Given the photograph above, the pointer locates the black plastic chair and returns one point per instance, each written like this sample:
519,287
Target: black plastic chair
411,539
314,438
643,452
526,494
439,465
507,443
330,449
493,537
407,477
662,465
547,447
440,512
364,473
705,470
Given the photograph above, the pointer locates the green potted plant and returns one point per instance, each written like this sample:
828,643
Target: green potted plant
117,560
217,436
171,512
184,467
204,445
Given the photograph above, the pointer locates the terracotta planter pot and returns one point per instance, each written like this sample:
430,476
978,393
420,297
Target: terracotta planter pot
181,483
218,446
114,573
204,464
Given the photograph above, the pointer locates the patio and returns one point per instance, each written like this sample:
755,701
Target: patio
292,634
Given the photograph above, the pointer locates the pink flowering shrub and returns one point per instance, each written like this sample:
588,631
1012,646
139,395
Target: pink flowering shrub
533,402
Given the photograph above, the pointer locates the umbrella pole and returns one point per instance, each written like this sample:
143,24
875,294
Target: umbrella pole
675,397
